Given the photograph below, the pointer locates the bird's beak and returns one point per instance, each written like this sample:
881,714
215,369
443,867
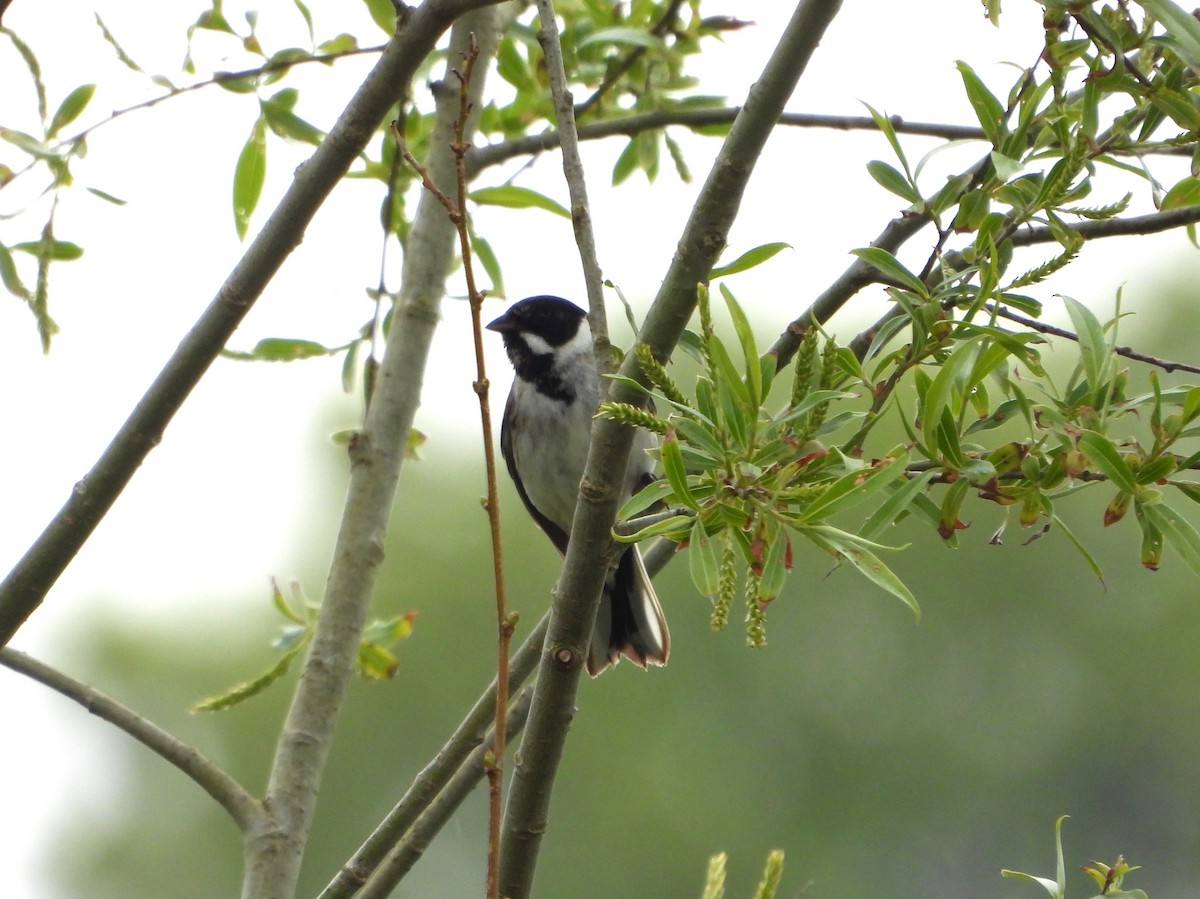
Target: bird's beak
502,324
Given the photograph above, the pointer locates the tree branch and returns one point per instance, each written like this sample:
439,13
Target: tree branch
245,810
23,590
400,861
1152,223
454,756
573,611
631,125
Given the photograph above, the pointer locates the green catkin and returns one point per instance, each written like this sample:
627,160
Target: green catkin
633,416
726,587
816,417
756,617
658,375
806,357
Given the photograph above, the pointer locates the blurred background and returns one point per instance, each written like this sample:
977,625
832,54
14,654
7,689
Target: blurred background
883,756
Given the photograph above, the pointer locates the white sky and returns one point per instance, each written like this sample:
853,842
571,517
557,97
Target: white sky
247,436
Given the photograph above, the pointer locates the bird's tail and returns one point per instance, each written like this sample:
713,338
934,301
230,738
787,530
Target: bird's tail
630,622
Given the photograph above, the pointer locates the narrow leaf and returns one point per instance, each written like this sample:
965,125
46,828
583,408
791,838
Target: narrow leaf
70,108
889,266
896,504
702,560
1093,347
988,109
858,553
1178,531
1104,454
512,197
749,259
248,177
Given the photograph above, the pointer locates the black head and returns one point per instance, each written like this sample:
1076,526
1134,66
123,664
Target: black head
553,319
540,332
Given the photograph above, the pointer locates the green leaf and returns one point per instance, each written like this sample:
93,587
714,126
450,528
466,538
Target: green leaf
676,472
626,163
283,349
851,488
650,495
1181,25
29,144
946,389
1178,531
58,250
491,264
384,14
70,108
1101,451
287,124
884,124
673,528
749,260
1183,193
512,197
741,325
893,181
775,567
896,505
702,560
1093,346
633,37
889,266
104,195
1078,544
9,276
307,16
859,553
248,177
988,109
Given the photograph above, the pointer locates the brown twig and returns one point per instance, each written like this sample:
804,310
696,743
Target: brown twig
505,623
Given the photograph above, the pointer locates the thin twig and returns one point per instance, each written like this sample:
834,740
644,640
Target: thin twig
581,216
275,851
505,623
1127,352
493,761
631,125
245,810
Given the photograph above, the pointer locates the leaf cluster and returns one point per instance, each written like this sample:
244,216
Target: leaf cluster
741,481
376,657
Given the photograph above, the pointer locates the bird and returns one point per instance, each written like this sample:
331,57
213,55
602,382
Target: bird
544,437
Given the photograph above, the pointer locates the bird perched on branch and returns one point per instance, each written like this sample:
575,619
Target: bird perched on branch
545,437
